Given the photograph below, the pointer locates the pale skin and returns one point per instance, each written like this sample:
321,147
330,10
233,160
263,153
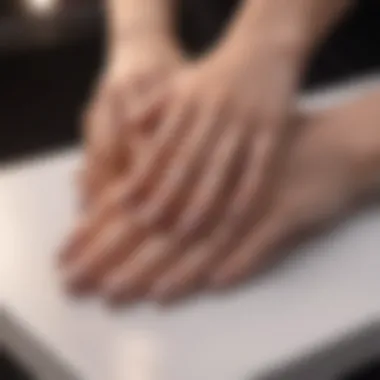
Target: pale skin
249,78
248,83
218,127
332,162
142,53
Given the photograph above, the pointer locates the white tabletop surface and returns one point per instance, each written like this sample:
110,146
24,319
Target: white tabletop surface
326,289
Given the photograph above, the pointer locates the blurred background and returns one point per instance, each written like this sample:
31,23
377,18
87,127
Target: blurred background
51,52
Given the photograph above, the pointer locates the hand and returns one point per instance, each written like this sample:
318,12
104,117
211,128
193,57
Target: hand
135,72
227,106
247,84
330,164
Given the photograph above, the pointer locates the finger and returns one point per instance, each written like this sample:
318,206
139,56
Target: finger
185,275
184,170
225,232
98,180
81,184
250,192
103,149
73,243
135,275
143,118
107,249
238,218
254,251
191,269
90,224
163,147
140,268
207,204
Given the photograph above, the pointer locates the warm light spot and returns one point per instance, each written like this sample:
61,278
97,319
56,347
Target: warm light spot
41,7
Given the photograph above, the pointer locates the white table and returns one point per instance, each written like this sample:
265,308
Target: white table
327,289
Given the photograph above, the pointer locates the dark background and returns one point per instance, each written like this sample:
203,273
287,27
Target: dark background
47,66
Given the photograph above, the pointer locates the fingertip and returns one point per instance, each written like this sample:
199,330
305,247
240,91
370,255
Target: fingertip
117,291
75,281
68,251
119,288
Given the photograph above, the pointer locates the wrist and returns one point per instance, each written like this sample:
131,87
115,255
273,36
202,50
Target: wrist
264,54
144,19
141,37
293,28
253,39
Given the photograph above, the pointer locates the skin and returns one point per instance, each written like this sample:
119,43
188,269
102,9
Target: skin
211,125
142,54
268,42
330,166
213,98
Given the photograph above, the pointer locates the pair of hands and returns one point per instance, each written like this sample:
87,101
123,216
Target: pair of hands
149,86
182,185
